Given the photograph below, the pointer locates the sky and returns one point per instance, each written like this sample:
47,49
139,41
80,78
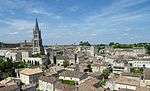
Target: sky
72,21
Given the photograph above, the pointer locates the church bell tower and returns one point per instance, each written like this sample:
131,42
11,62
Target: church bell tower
37,40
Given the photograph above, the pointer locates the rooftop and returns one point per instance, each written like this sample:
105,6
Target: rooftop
64,87
142,89
147,74
88,85
69,73
49,79
7,85
129,74
127,81
30,71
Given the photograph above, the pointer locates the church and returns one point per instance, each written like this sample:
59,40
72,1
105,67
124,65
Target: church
37,40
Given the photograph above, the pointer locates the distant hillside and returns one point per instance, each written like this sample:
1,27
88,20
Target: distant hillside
9,45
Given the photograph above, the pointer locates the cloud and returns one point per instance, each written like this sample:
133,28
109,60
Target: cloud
117,15
93,34
18,24
13,33
39,11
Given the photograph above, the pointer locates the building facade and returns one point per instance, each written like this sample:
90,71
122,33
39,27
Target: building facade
30,76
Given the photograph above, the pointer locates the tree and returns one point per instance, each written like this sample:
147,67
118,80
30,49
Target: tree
102,82
111,43
122,46
147,47
8,66
106,73
85,43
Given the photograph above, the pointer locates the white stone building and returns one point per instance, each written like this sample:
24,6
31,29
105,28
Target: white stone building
76,76
30,76
33,60
14,55
47,83
98,68
123,83
3,52
140,63
26,54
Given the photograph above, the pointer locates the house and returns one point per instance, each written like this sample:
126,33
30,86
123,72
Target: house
128,51
118,66
90,85
130,75
125,83
11,54
98,68
144,62
76,76
47,83
141,88
40,60
3,52
30,76
59,86
51,83
26,54
146,77
9,85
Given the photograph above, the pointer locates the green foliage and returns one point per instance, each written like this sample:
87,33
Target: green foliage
102,82
106,73
122,46
111,43
85,43
21,64
137,45
100,47
8,66
147,47
70,82
4,65
136,71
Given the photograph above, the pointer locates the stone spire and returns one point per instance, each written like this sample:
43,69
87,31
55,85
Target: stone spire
37,40
36,25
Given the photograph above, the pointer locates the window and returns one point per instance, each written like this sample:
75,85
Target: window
35,43
35,36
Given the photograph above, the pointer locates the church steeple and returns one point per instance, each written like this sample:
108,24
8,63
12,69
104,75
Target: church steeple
36,25
37,40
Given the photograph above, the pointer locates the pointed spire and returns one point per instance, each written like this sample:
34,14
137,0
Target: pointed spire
36,25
